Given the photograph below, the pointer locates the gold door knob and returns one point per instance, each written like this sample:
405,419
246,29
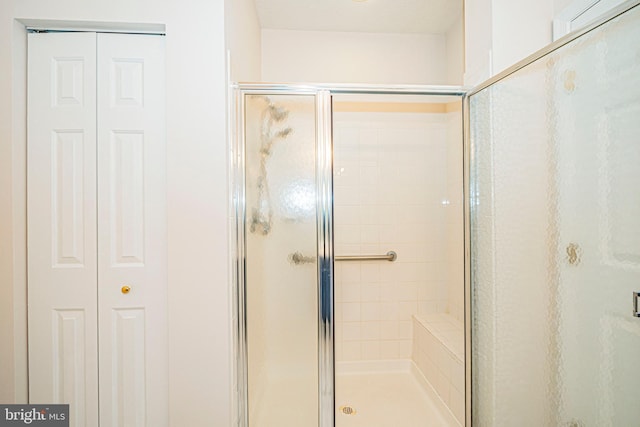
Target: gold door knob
126,289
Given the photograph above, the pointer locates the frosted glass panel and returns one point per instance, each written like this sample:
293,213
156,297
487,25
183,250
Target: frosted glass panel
555,236
281,290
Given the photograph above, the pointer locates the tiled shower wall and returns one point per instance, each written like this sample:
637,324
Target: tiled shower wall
454,217
397,187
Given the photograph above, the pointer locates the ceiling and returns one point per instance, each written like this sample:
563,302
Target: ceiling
374,16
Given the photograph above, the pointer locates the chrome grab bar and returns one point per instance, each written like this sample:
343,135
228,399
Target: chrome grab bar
298,258
389,256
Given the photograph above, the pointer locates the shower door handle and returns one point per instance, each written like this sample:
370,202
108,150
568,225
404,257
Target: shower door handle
636,296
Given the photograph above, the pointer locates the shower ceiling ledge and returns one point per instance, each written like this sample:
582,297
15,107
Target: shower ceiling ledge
372,16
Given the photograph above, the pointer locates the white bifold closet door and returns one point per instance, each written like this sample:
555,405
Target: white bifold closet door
97,227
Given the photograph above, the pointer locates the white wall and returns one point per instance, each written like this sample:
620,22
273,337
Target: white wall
520,27
199,315
499,33
243,40
338,57
559,5
9,231
454,40
477,41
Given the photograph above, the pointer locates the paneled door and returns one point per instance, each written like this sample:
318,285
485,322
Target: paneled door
96,227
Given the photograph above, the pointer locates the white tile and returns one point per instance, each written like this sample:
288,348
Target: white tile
386,215
337,290
370,248
370,292
446,327
387,193
406,193
347,234
370,311
389,271
457,375
410,233
389,330
346,214
338,309
345,178
442,305
404,349
351,292
388,291
405,330
415,354
422,361
351,331
409,252
369,196
369,234
406,309
351,272
427,291
345,249
433,318
339,351
408,272
442,386
427,307
423,337
432,344
352,350
338,331
441,358
370,272
430,371
389,350
370,331
457,403
458,349
347,195
407,291
388,310
370,350
351,311
369,216
370,175
387,236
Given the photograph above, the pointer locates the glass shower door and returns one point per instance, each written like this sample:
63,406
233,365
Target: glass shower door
555,236
280,248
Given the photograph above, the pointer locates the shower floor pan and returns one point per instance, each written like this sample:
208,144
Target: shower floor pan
398,398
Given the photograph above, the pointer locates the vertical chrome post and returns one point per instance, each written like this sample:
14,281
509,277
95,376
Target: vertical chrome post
324,174
466,132
239,270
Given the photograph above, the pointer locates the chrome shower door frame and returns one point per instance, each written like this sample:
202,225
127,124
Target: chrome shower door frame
324,219
324,237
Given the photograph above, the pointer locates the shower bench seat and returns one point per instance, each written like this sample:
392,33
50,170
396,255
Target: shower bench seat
438,353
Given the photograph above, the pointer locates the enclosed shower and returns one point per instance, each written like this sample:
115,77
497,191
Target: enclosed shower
442,256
